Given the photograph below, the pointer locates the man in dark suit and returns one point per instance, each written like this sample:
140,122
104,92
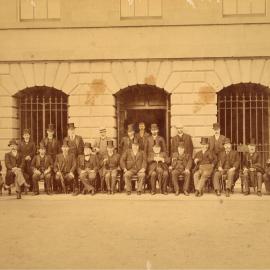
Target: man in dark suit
158,169
127,141
87,166
205,161
133,162
266,177
28,150
64,168
182,137
228,164
252,169
14,162
216,142
110,166
153,139
181,165
42,166
1,180
142,136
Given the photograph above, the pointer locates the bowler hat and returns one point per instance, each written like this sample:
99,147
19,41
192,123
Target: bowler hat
130,128
204,140
26,131
42,146
50,127
102,129
227,140
110,144
216,126
12,142
154,126
71,126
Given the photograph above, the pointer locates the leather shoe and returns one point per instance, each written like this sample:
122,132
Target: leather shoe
218,193
128,193
197,193
165,193
177,193
92,192
153,193
227,193
139,193
259,193
246,193
19,196
186,193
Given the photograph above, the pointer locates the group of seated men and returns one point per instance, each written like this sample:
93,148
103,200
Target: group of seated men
141,155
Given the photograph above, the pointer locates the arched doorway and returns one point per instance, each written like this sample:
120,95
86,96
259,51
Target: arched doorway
243,112
39,106
145,103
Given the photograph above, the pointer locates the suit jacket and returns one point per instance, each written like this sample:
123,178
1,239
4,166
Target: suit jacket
36,163
181,162
52,146
207,158
142,140
216,145
82,164
131,162
150,143
11,161
253,161
65,165
233,159
76,146
188,144
112,162
27,149
125,144
153,165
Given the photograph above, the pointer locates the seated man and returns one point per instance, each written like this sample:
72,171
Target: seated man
64,168
110,167
87,167
181,165
252,169
14,162
266,177
228,164
42,167
205,161
133,162
158,169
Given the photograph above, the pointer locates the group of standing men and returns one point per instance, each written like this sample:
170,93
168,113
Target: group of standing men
142,156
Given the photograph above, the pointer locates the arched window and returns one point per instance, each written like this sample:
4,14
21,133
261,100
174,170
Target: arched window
39,106
243,114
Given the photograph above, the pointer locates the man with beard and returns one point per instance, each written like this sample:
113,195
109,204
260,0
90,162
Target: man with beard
228,164
87,166
110,165
181,165
158,169
28,150
142,136
14,162
42,165
127,141
216,142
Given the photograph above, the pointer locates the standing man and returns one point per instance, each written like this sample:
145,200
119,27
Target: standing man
266,177
87,166
216,142
158,169
205,161
76,146
42,166
64,168
110,165
1,180
181,165
133,162
14,162
153,139
228,164
182,137
127,141
28,150
252,169
142,136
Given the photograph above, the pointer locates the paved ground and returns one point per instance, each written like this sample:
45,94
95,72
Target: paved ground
123,232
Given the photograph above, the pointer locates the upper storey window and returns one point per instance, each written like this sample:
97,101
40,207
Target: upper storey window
39,9
244,7
141,8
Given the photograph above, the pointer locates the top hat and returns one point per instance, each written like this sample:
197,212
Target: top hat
252,142
154,126
71,126
12,142
87,145
227,140
110,144
102,129
181,144
216,126
50,127
130,128
26,131
204,140
42,146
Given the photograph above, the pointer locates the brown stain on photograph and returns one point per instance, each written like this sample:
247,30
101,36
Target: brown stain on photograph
150,80
206,95
97,87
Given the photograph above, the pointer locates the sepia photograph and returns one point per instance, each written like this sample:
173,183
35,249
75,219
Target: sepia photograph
134,134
